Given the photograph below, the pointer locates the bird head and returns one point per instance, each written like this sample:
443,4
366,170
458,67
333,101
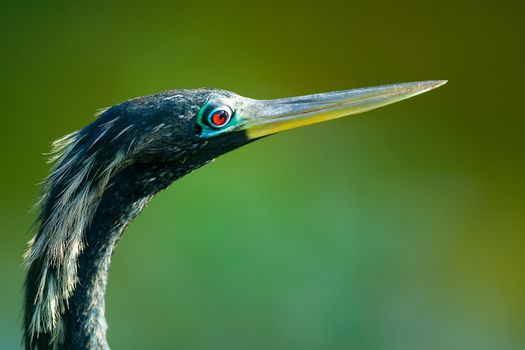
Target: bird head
195,126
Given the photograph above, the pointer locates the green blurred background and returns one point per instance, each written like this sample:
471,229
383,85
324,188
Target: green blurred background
402,228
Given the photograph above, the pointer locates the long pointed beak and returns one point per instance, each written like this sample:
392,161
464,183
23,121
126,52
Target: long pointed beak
266,117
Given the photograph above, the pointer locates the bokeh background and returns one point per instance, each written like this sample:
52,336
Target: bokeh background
402,228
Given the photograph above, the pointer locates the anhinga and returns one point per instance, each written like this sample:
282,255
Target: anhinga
105,174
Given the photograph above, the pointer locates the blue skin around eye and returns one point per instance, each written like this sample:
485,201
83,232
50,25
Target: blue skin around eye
210,115
207,129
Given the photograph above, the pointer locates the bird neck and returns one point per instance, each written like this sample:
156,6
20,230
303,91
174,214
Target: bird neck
84,320
81,323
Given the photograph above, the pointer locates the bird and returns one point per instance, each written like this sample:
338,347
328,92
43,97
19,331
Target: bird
103,175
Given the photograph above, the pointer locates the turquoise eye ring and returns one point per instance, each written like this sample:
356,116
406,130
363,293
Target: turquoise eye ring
219,117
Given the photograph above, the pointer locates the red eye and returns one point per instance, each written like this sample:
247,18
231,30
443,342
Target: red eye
219,117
